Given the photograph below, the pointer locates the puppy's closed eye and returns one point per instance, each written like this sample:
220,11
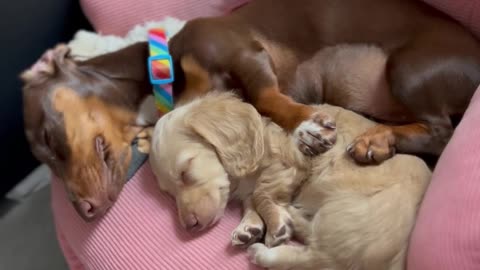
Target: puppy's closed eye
186,179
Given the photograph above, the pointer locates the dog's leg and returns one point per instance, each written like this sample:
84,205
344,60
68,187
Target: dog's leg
250,229
302,223
273,192
285,257
381,142
314,130
433,83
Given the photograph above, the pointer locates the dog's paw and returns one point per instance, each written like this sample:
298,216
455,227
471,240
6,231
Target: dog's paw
374,146
316,135
279,236
261,255
246,234
143,140
280,230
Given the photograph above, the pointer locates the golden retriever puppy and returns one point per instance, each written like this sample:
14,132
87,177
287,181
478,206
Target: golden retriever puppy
218,148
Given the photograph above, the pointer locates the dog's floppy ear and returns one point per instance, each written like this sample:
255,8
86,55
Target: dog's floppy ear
48,64
128,63
234,128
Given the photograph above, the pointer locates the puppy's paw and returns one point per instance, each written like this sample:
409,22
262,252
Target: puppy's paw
261,255
247,233
280,230
143,139
374,146
279,236
316,135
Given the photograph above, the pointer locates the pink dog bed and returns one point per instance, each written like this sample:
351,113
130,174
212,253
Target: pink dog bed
117,17
141,231
447,232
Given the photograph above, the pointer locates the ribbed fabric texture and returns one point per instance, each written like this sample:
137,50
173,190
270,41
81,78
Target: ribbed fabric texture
141,231
447,232
465,11
117,17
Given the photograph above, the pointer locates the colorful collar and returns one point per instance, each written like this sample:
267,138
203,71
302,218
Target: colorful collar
160,68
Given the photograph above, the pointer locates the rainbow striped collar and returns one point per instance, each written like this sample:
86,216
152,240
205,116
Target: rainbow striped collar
160,68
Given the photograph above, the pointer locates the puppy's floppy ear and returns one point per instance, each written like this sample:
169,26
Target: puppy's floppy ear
234,128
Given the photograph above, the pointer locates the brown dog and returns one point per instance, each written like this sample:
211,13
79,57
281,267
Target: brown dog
433,67
81,117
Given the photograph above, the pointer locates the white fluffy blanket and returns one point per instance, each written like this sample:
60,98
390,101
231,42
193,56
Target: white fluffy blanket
86,44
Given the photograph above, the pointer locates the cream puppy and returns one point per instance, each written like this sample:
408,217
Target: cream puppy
218,148
206,153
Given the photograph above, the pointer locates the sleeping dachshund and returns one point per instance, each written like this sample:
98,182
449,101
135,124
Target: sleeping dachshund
80,117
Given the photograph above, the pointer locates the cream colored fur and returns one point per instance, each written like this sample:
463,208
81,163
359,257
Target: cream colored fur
218,148
351,217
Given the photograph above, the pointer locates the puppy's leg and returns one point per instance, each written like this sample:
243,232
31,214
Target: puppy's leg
314,130
302,223
273,192
433,83
250,229
285,257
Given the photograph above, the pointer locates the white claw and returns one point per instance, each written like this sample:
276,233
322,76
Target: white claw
350,148
370,154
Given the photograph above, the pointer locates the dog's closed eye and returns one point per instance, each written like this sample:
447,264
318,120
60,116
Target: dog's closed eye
102,147
186,179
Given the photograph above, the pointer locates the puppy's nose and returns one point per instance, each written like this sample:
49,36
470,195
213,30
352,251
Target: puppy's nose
191,223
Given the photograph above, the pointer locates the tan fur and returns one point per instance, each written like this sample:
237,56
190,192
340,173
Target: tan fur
363,215
197,80
342,87
90,119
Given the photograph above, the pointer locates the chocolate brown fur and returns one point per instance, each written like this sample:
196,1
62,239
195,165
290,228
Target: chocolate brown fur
431,69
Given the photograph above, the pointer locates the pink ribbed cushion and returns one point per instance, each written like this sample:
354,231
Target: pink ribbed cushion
465,11
447,232
141,231
117,17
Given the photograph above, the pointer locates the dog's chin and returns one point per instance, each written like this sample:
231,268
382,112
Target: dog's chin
101,202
